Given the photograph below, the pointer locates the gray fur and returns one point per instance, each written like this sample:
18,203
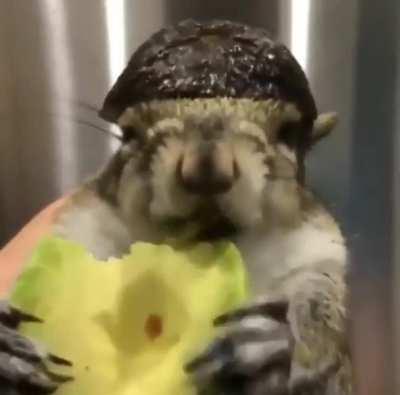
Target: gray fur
266,211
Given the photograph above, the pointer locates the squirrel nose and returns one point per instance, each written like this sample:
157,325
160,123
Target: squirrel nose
207,168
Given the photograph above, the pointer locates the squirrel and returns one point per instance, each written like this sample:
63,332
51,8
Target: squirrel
217,120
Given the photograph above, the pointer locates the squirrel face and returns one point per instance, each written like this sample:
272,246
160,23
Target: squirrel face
231,158
216,120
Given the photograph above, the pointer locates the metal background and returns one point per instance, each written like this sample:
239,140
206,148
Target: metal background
59,57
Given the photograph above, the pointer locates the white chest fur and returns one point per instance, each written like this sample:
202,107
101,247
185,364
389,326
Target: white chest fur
96,226
270,256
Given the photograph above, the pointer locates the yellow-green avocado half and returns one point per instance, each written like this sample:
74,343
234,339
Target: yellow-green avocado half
129,325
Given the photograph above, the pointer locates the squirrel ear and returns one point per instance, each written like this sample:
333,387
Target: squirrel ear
323,125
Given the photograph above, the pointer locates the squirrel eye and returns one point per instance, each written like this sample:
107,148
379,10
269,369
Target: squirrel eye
129,133
288,134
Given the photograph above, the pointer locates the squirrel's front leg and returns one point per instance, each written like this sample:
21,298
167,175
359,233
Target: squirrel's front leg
24,364
293,342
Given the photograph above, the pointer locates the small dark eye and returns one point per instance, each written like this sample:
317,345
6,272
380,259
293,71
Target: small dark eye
129,133
289,135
